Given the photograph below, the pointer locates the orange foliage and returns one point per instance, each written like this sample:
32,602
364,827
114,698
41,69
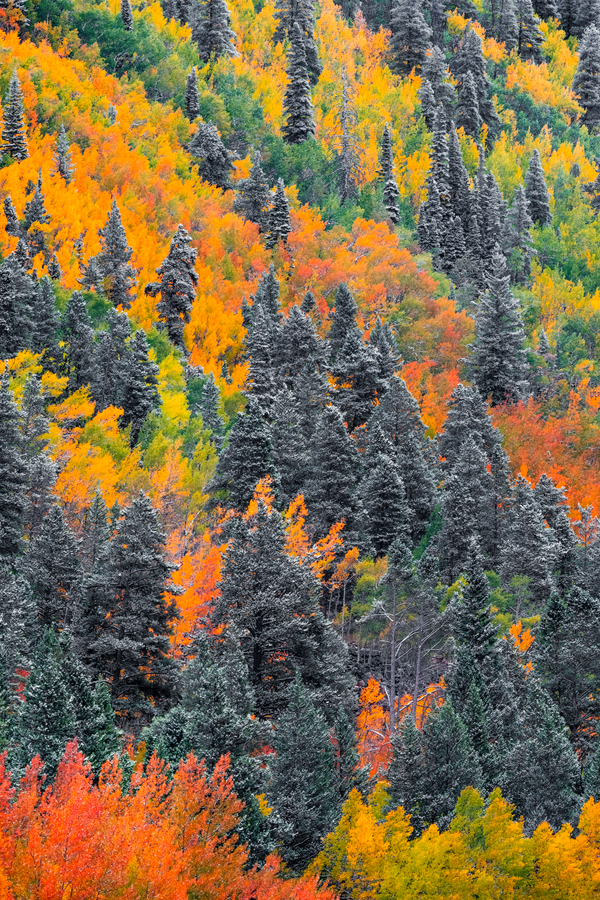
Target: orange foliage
163,839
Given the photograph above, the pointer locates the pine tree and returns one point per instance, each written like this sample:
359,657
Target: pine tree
192,96
343,320
498,357
54,570
467,107
530,38
391,197
127,15
469,58
132,650
386,512
301,348
262,375
508,26
17,298
356,371
586,13
546,9
244,461
430,226
35,210
13,476
586,84
428,103
210,155
435,70
279,218
113,261
526,549
210,403
287,14
177,286
253,196
331,484
517,240
211,30
54,269
303,790
62,158
14,133
407,773
474,628
78,336
12,222
386,156
537,192
140,380
297,105
410,37
110,360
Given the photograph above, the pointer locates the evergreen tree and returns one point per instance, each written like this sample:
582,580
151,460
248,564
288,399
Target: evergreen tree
410,37
12,222
287,14
508,26
407,773
546,9
537,192
113,260
591,775
127,15
526,548
54,570
17,297
467,107
391,197
14,133
517,241
585,14
430,226
78,336
209,154
386,156
428,103
279,218
261,377
386,512
177,286
469,58
13,476
347,150
132,648
270,600
54,269
530,38
210,403
211,30
435,70
140,380
62,158
192,96
253,196
245,460
356,371
301,347
111,358
498,356
297,105
343,320
303,790
331,485
474,628
35,210
586,84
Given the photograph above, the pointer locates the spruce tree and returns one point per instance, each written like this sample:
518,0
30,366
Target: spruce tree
35,209
546,9
537,192
264,596
406,773
287,14
303,790
54,571
343,320
253,196
127,15
467,108
262,375
140,379
297,105
356,371
132,649
526,546
54,269
469,58
530,38
210,155
210,404
585,14
498,357
517,242
177,286
410,37
13,476
244,461
386,512
17,299
435,70
63,163
428,103
211,30
279,218
14,133
347,150
474,628
78,336
192,96
508,26
386,156
113,261
331,485
430,228
391,198
10,214
586,84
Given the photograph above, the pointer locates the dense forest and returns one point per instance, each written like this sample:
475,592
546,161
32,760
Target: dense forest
299,449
